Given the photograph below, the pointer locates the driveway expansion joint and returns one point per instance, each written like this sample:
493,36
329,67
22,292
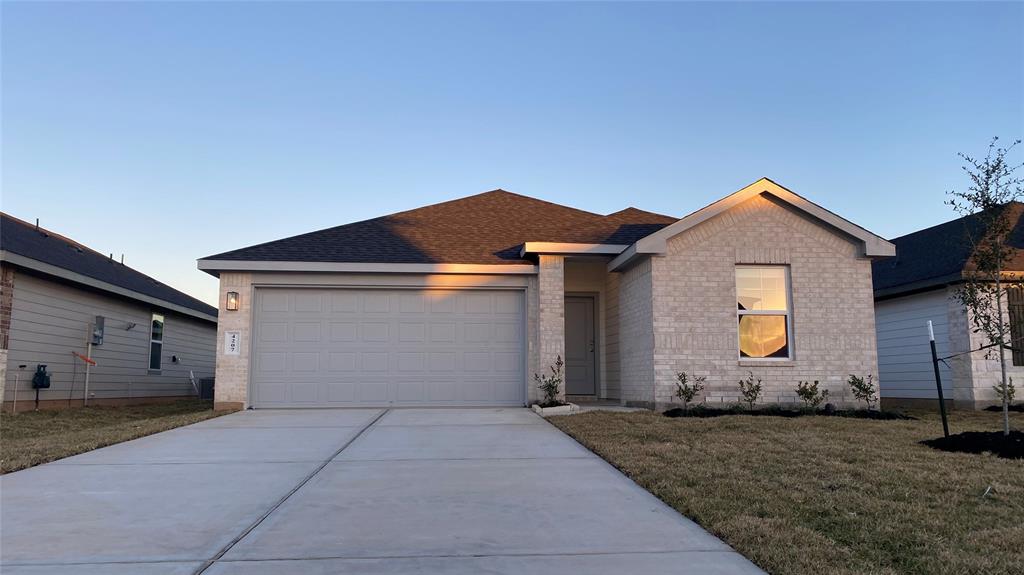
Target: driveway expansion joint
209,562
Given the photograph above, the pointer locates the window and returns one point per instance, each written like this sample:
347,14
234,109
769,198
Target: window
762,302
156,341
1015,303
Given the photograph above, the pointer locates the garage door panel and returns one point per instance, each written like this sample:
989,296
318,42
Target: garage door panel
442,332
346,331
349,347
342,362
376,302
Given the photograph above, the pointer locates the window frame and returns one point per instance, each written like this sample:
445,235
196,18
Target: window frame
788,313
163,329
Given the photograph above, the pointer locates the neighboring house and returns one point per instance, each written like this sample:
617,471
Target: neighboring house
56,293
460,303
919,285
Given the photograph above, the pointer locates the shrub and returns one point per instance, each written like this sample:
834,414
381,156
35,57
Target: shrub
863,388
810,395
1009,392
750,389
551,384
685,390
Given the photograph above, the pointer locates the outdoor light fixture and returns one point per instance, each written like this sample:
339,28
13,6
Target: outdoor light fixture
232,301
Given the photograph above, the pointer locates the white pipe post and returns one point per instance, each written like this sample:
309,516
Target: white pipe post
17,376
88,364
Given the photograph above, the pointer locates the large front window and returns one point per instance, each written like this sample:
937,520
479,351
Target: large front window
762,303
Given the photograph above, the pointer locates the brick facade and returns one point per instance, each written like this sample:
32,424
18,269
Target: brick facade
551,314
636,335
232,387
694,308
974,374
672,312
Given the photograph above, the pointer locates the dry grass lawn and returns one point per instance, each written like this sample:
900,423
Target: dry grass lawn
33,437
814,495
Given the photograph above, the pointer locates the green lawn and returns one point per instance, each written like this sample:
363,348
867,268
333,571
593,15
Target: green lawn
817,495
33,437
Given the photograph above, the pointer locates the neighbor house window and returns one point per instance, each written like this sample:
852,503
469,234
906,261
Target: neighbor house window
762,303
156,341
1015,303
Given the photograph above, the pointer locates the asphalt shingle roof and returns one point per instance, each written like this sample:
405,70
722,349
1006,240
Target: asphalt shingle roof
22,238
940,254
487,228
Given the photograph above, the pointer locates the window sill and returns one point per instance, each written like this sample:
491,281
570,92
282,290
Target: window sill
153,371
767,362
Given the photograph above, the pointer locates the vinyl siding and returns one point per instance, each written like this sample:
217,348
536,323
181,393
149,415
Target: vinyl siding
50,320
904,356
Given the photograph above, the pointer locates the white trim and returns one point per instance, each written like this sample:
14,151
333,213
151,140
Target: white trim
69,275
567,248
214,266
874,246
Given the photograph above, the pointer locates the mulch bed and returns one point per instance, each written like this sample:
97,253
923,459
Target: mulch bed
702,411
994,442
1019,408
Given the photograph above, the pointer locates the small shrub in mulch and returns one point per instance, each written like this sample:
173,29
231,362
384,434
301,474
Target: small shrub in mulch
828,411
1019,408
994,442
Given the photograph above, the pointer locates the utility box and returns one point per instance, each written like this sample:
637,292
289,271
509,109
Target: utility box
97,331
41,379
206,388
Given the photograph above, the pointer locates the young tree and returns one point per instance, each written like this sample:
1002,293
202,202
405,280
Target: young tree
988,200
687,389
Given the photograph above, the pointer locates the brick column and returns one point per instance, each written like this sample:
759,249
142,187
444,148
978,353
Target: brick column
231,390
551,324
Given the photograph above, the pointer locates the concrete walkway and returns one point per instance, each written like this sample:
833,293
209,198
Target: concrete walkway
347,491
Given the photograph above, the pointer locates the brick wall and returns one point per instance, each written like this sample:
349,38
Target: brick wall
612,355
551,313
694,305
979,371
231,389
636,336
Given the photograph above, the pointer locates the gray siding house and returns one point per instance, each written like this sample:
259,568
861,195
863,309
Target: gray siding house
58,298
919,285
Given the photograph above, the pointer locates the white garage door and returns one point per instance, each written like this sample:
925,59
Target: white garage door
388,347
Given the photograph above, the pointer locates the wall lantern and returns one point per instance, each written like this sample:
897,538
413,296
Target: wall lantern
232,301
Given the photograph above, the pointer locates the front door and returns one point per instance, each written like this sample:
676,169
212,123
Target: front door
580,346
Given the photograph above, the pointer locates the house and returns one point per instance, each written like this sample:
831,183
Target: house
460,303
59,298
919,285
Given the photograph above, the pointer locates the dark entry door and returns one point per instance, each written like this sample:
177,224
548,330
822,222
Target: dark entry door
580,346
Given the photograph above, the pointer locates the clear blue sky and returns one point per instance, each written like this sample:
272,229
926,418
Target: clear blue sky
174,131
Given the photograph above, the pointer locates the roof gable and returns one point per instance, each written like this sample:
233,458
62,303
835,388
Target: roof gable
488,228
19,239
656,243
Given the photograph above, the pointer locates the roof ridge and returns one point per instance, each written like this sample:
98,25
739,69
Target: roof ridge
51,233
947,222
404,212
632,209
86,250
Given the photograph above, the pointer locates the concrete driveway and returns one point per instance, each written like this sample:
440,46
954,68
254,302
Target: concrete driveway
347,491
